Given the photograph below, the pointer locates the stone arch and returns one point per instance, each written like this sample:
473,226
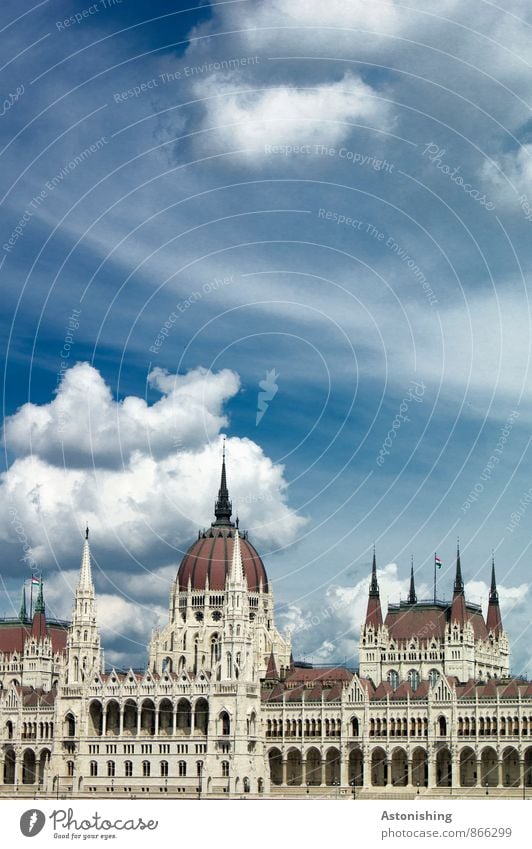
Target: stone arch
294,768
112,718
201,716
10,761
468,768
224,722
356,768
379,768
147,717
184,717
399,768
420,768
443,768
313,759
44,760
130,717
275,761
166,717
511,772
355,728
332,767
442,726
29,772
95,719
489,767
528,767
69,725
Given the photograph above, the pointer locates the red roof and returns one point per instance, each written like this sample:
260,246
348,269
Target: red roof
211,556
13,635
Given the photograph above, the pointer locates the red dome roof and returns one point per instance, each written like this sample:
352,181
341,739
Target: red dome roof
211,555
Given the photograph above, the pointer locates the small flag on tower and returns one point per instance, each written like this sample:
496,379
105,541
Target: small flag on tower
437,561
35,582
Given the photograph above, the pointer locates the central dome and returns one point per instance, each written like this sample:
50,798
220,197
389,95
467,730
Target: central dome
209,557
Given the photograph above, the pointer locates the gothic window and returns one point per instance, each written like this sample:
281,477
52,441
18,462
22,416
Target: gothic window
146,769
413,678
225,723
93,769
182,769
216,616
85,635
434,677
164,769
393,679
70,768
216,649
225,769
128,769
110,769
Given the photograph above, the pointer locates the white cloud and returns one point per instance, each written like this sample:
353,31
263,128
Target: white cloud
510,176
287,115
153,498
327,629
86,426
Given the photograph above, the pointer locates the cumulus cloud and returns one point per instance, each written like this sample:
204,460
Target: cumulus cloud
84,425
285,114
327,629
156,498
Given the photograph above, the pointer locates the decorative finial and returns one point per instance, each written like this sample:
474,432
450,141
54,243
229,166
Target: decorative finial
237,520
86,530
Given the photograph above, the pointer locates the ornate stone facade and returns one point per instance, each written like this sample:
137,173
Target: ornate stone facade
222,709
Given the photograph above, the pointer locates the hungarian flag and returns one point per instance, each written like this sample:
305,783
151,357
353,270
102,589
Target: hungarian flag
35,582
437,561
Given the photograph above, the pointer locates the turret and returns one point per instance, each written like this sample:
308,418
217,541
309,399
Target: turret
458,608
374,612
494,620
83,642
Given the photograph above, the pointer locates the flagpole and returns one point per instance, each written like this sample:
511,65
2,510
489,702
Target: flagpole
31,597
434,577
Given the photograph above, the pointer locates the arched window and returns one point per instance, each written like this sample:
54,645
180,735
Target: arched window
128,769
434,677
225,769
110,769
216,649
393,679
413,679
70,768
93,769
225,723
146,769
164,769
182,769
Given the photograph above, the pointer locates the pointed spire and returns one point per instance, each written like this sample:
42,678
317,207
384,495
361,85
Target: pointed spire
85,574
374,586
39,604
493,619
494,595
237,566
271,672
458,608
23,614
374,612
223,507
458,582
412,598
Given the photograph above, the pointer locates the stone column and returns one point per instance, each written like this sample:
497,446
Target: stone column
410,773
174,720
478,782
121,720
104,721
156,733
500,773
283,762
522,772
344,771
387,765
431,771
139,717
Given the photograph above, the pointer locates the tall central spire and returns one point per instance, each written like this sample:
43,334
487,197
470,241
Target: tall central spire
458,581
223,507
412,597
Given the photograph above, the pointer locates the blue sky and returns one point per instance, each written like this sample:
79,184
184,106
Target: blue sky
339,195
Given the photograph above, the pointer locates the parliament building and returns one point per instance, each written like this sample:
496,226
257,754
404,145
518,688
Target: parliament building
223,711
